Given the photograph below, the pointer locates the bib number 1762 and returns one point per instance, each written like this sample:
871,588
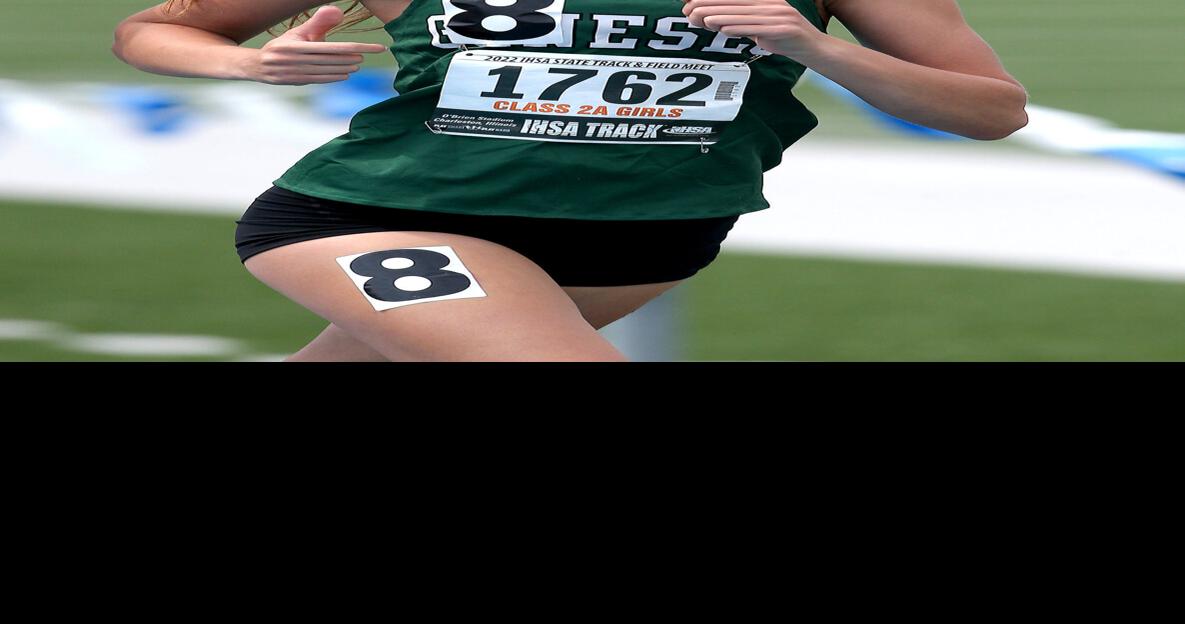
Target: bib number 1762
589,98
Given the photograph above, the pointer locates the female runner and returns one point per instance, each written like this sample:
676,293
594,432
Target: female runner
548,166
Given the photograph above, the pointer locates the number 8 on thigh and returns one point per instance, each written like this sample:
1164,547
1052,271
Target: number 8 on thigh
434,296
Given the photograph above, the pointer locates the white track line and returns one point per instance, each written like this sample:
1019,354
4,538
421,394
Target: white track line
28,329
131,344
962,204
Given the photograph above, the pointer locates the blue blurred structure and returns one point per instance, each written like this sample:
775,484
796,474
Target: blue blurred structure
162,111
153,110
1170,160
363,88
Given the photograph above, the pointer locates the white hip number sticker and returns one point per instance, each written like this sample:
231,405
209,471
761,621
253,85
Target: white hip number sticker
392,278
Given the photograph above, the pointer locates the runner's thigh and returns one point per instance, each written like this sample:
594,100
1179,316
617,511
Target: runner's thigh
410,303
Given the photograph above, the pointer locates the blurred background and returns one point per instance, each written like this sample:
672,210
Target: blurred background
119,190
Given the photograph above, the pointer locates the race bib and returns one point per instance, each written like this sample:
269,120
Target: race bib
588,98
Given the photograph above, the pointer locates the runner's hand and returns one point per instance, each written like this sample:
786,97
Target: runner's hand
301,55
774,25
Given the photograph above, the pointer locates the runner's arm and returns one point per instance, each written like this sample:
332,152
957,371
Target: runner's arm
203,42
923,63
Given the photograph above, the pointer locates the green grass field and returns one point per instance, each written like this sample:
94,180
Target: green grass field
97,270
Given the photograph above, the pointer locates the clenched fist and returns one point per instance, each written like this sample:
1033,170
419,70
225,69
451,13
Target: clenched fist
774,25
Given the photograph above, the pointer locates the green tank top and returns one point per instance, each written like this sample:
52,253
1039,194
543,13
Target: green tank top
583,109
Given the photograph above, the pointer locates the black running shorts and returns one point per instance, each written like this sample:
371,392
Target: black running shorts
574,252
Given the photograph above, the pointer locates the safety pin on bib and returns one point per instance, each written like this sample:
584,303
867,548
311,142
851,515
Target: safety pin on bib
435,129
703,148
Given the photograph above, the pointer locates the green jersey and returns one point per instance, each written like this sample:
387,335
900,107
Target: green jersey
582,109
